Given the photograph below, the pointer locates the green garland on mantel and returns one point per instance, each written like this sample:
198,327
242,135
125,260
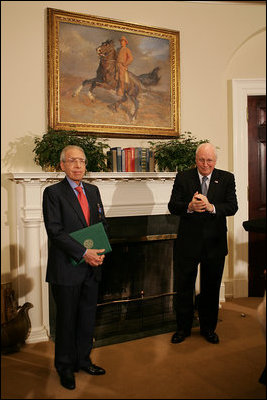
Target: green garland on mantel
170,155
176,154
48,148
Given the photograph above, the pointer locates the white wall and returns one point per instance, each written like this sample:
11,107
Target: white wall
219,41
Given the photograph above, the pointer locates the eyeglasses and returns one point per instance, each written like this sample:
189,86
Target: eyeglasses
74,160
208,161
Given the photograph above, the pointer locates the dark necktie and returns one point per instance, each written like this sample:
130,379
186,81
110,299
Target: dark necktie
84,204
204,188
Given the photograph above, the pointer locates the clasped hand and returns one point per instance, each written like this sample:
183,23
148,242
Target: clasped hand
200,203
93,257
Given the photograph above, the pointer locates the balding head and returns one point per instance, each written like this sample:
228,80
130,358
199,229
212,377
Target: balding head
206,157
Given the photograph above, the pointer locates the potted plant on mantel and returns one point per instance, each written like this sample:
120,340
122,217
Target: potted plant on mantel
176,154
48,148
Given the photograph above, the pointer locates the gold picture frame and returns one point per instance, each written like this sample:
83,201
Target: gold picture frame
83,86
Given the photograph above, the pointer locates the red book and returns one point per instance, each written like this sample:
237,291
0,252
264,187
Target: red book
130,159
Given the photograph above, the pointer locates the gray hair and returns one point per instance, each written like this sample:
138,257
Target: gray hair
210,145
71,146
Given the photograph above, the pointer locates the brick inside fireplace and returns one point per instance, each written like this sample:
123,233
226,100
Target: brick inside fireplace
136,291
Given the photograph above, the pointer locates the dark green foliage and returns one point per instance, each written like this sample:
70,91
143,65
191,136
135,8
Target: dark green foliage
48,148
176,154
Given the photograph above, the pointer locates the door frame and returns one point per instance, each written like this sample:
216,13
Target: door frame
241,89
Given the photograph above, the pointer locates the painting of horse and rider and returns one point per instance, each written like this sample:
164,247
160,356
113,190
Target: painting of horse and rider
115,78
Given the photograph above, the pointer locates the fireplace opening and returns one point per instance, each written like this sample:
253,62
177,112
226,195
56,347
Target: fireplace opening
136,291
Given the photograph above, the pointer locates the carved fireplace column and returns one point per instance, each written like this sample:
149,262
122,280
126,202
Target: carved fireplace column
29,254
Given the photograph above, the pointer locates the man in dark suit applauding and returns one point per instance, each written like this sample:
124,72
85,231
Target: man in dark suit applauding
203,206
75,288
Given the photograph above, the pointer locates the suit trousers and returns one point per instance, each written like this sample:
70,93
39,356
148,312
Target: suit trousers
75,320
185,273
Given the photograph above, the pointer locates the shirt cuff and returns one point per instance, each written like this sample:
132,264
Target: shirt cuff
214,210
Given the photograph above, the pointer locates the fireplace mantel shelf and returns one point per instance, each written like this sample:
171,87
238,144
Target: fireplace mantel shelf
91,176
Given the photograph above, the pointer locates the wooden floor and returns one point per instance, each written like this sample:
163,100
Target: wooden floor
152,367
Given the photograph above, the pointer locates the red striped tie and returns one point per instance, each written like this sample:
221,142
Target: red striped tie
84,204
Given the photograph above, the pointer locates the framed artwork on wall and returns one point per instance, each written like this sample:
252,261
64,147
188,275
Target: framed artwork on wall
112,78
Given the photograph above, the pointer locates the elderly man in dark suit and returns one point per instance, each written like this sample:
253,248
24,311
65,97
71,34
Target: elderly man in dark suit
203,205
75,288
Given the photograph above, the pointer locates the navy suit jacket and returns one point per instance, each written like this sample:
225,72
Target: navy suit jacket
203,229
62,215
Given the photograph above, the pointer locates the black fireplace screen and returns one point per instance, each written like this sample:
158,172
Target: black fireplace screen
136,291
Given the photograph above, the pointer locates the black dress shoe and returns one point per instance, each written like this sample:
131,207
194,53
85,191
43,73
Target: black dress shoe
93,369
210,336
67,379
180,336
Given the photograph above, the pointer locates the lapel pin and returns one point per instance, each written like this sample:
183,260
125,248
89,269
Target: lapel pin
216,182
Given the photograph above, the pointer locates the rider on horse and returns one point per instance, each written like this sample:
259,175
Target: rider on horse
124,59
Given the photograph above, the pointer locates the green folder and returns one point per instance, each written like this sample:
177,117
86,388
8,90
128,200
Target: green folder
92,237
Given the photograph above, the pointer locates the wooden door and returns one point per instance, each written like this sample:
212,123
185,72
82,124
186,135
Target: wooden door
257,191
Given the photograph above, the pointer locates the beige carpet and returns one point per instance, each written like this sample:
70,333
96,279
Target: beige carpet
152,367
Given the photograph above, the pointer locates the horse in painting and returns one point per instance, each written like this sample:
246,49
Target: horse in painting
106,78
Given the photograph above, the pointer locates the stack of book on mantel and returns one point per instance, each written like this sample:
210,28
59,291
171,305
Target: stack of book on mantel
130,159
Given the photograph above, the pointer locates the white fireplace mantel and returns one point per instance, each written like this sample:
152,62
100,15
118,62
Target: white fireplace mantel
123,194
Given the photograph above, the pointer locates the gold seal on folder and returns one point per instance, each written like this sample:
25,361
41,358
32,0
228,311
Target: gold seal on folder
88,243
